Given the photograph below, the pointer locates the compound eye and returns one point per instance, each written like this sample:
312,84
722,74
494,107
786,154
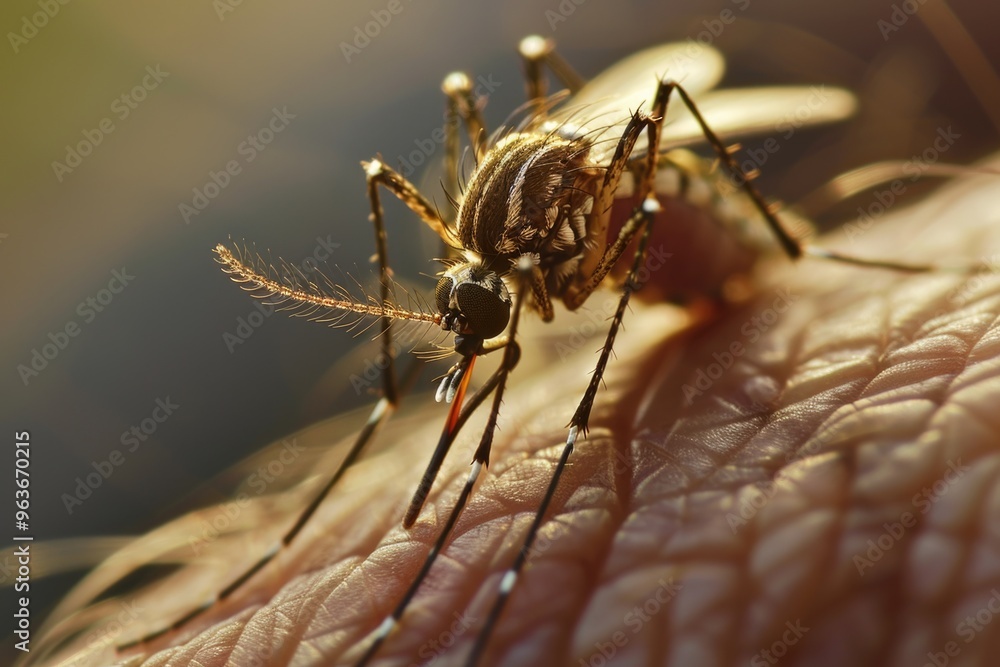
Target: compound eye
485,303
442,294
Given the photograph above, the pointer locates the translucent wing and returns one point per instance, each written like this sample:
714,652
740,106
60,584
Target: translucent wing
632,81
745,111
605,104
602,108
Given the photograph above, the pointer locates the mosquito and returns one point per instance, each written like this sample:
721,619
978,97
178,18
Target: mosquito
535,222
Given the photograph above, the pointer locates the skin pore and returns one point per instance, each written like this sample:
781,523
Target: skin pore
808,478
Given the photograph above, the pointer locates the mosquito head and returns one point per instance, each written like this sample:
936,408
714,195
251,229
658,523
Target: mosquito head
473,302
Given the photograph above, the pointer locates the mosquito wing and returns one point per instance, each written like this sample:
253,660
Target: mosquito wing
745,111
631,82
603,107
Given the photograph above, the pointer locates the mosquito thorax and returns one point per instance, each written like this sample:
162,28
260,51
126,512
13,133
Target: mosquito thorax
532,193
473,301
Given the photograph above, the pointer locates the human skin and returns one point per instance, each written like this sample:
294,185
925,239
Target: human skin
826,494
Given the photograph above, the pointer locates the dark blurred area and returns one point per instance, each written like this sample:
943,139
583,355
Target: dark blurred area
267,111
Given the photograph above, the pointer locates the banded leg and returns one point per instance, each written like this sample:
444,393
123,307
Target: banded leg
386,405
579,293
462,104
538,51
377,173
577,426
640,220
382,411
453,386
789,244
497,384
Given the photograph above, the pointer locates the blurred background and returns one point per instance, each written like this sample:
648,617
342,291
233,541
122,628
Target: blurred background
119,123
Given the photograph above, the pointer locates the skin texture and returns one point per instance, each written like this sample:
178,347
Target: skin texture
810,478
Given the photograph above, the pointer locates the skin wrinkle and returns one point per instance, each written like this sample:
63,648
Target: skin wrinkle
871,394
869,385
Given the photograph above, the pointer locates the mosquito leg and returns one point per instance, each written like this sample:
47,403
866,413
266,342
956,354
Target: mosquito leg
452,119
533,50
462,103
578,425
789,244
480,460
823,253
578,293
387,404
389,390
379,173
537,51
380,413
498,379
641,219
383,409
454,425
858,180
541,294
